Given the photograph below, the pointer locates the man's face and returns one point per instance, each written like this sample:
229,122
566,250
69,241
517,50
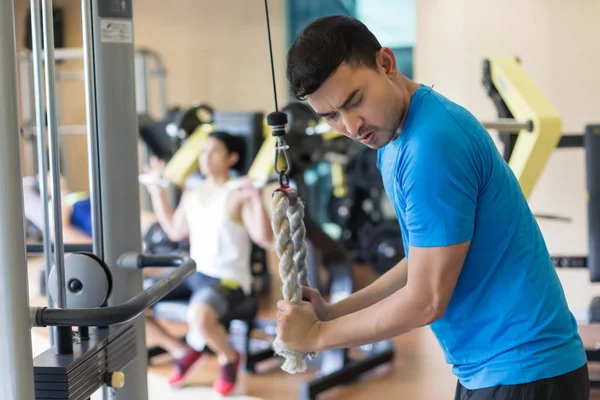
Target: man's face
361,103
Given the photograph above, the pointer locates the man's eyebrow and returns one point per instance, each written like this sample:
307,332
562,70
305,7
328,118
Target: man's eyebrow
344,104
348,99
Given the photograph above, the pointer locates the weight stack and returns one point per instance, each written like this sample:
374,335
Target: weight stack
591,144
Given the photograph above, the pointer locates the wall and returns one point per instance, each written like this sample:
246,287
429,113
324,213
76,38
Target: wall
558,46
213,53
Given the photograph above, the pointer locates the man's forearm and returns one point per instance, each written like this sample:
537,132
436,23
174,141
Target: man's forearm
401,312
261,226
162,211
387,284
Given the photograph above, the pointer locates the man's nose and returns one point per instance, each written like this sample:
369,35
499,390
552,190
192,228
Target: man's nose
353,123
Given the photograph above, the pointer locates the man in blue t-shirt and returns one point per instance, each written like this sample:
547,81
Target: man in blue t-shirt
477,268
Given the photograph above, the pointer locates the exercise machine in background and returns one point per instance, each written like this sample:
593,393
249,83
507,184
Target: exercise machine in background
528,149
99,293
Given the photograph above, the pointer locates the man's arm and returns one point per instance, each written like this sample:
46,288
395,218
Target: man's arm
173,222
387,284
433,275
442,177
256,219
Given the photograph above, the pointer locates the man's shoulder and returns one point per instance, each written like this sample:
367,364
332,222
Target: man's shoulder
440,115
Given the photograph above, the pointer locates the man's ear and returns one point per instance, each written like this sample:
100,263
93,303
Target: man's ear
233,159
387,61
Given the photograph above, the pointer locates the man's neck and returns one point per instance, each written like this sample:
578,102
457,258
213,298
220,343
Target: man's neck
408,88
217,180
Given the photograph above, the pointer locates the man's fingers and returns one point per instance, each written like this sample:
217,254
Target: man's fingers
283,305
308,293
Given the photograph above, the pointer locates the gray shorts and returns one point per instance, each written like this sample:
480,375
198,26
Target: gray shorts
221,296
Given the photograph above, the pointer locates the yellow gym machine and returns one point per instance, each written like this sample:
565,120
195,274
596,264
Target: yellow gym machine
524,110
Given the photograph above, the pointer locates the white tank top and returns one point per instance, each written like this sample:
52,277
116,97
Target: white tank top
219,245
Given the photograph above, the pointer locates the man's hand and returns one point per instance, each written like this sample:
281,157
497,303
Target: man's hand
321,307
156,167
298,326
155,170
247,190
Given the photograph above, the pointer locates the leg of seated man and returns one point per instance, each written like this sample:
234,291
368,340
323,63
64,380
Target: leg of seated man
156,334
210,302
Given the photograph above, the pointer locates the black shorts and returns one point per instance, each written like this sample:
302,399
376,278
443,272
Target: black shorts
574,385
222,296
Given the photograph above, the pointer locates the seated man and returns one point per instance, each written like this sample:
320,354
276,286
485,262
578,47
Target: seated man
221,217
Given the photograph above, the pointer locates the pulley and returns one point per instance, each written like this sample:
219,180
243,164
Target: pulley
87,278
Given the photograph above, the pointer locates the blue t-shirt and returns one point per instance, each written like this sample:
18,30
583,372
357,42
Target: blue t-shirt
508,321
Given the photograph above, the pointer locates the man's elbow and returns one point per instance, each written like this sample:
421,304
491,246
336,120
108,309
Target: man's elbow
433,311
264,240
174,235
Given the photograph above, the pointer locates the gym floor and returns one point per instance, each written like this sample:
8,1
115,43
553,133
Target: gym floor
419,370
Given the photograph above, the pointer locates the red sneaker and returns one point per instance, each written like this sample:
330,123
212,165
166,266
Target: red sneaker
183,366
226,382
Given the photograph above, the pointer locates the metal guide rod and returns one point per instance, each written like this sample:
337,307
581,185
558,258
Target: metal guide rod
92,128
16,358
53,145
508,125
40,124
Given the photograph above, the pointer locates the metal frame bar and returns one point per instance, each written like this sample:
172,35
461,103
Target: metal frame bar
92,129
16,359
117,151
125,312
40,123
54,146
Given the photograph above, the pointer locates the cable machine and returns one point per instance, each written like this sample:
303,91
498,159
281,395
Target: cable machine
100,293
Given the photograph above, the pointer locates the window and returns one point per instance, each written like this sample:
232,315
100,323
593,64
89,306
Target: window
392,21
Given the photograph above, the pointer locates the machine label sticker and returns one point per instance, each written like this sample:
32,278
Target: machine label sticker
115,9
116,31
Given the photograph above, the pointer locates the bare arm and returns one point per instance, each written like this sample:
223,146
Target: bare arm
256,220
387,284
434,273
172,221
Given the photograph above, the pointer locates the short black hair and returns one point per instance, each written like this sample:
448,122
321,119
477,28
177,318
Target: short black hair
322,46
233,144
